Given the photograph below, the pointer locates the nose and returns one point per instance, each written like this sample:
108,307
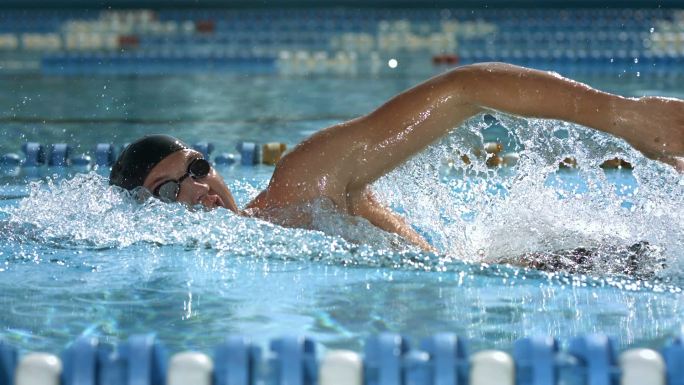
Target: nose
195,190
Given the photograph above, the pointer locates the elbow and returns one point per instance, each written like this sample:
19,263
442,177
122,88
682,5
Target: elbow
481,84
468,84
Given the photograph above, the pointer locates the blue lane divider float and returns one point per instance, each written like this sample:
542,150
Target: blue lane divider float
383,356
673,354
104,154
597,359
294,362
111,366
442,360
82,160
8,363
535,361
236,362
10,160
139,361
249,153
449,357
416,368
34,154
224,159
59,155
146,360
204,148
80,362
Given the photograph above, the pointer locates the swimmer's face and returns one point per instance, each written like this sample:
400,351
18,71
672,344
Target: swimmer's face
209,191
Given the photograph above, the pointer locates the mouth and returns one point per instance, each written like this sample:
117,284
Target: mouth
213,201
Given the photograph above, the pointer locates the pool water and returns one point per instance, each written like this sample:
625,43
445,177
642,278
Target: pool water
80,258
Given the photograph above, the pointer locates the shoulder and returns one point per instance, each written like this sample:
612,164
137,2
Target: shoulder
296,181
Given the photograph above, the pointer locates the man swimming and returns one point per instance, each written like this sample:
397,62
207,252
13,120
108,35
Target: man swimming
340,162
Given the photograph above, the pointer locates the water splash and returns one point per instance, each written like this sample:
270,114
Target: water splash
84,213
529,215
511,215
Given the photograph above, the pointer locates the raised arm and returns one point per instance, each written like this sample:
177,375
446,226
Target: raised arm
356,153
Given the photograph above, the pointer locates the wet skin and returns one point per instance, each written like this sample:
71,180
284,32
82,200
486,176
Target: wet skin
340,162
209,191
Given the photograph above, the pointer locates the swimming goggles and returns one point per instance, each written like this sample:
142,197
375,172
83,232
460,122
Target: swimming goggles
169,190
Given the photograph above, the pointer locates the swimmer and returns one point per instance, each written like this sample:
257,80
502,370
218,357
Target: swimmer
340,162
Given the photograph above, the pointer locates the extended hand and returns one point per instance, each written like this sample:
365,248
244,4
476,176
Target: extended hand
654,126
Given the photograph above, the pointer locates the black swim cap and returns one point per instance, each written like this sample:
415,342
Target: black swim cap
138,158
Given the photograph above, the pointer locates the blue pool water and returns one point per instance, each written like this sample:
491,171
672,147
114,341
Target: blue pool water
78,258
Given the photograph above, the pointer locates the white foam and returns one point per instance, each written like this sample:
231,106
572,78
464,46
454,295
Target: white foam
461,216
532,216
